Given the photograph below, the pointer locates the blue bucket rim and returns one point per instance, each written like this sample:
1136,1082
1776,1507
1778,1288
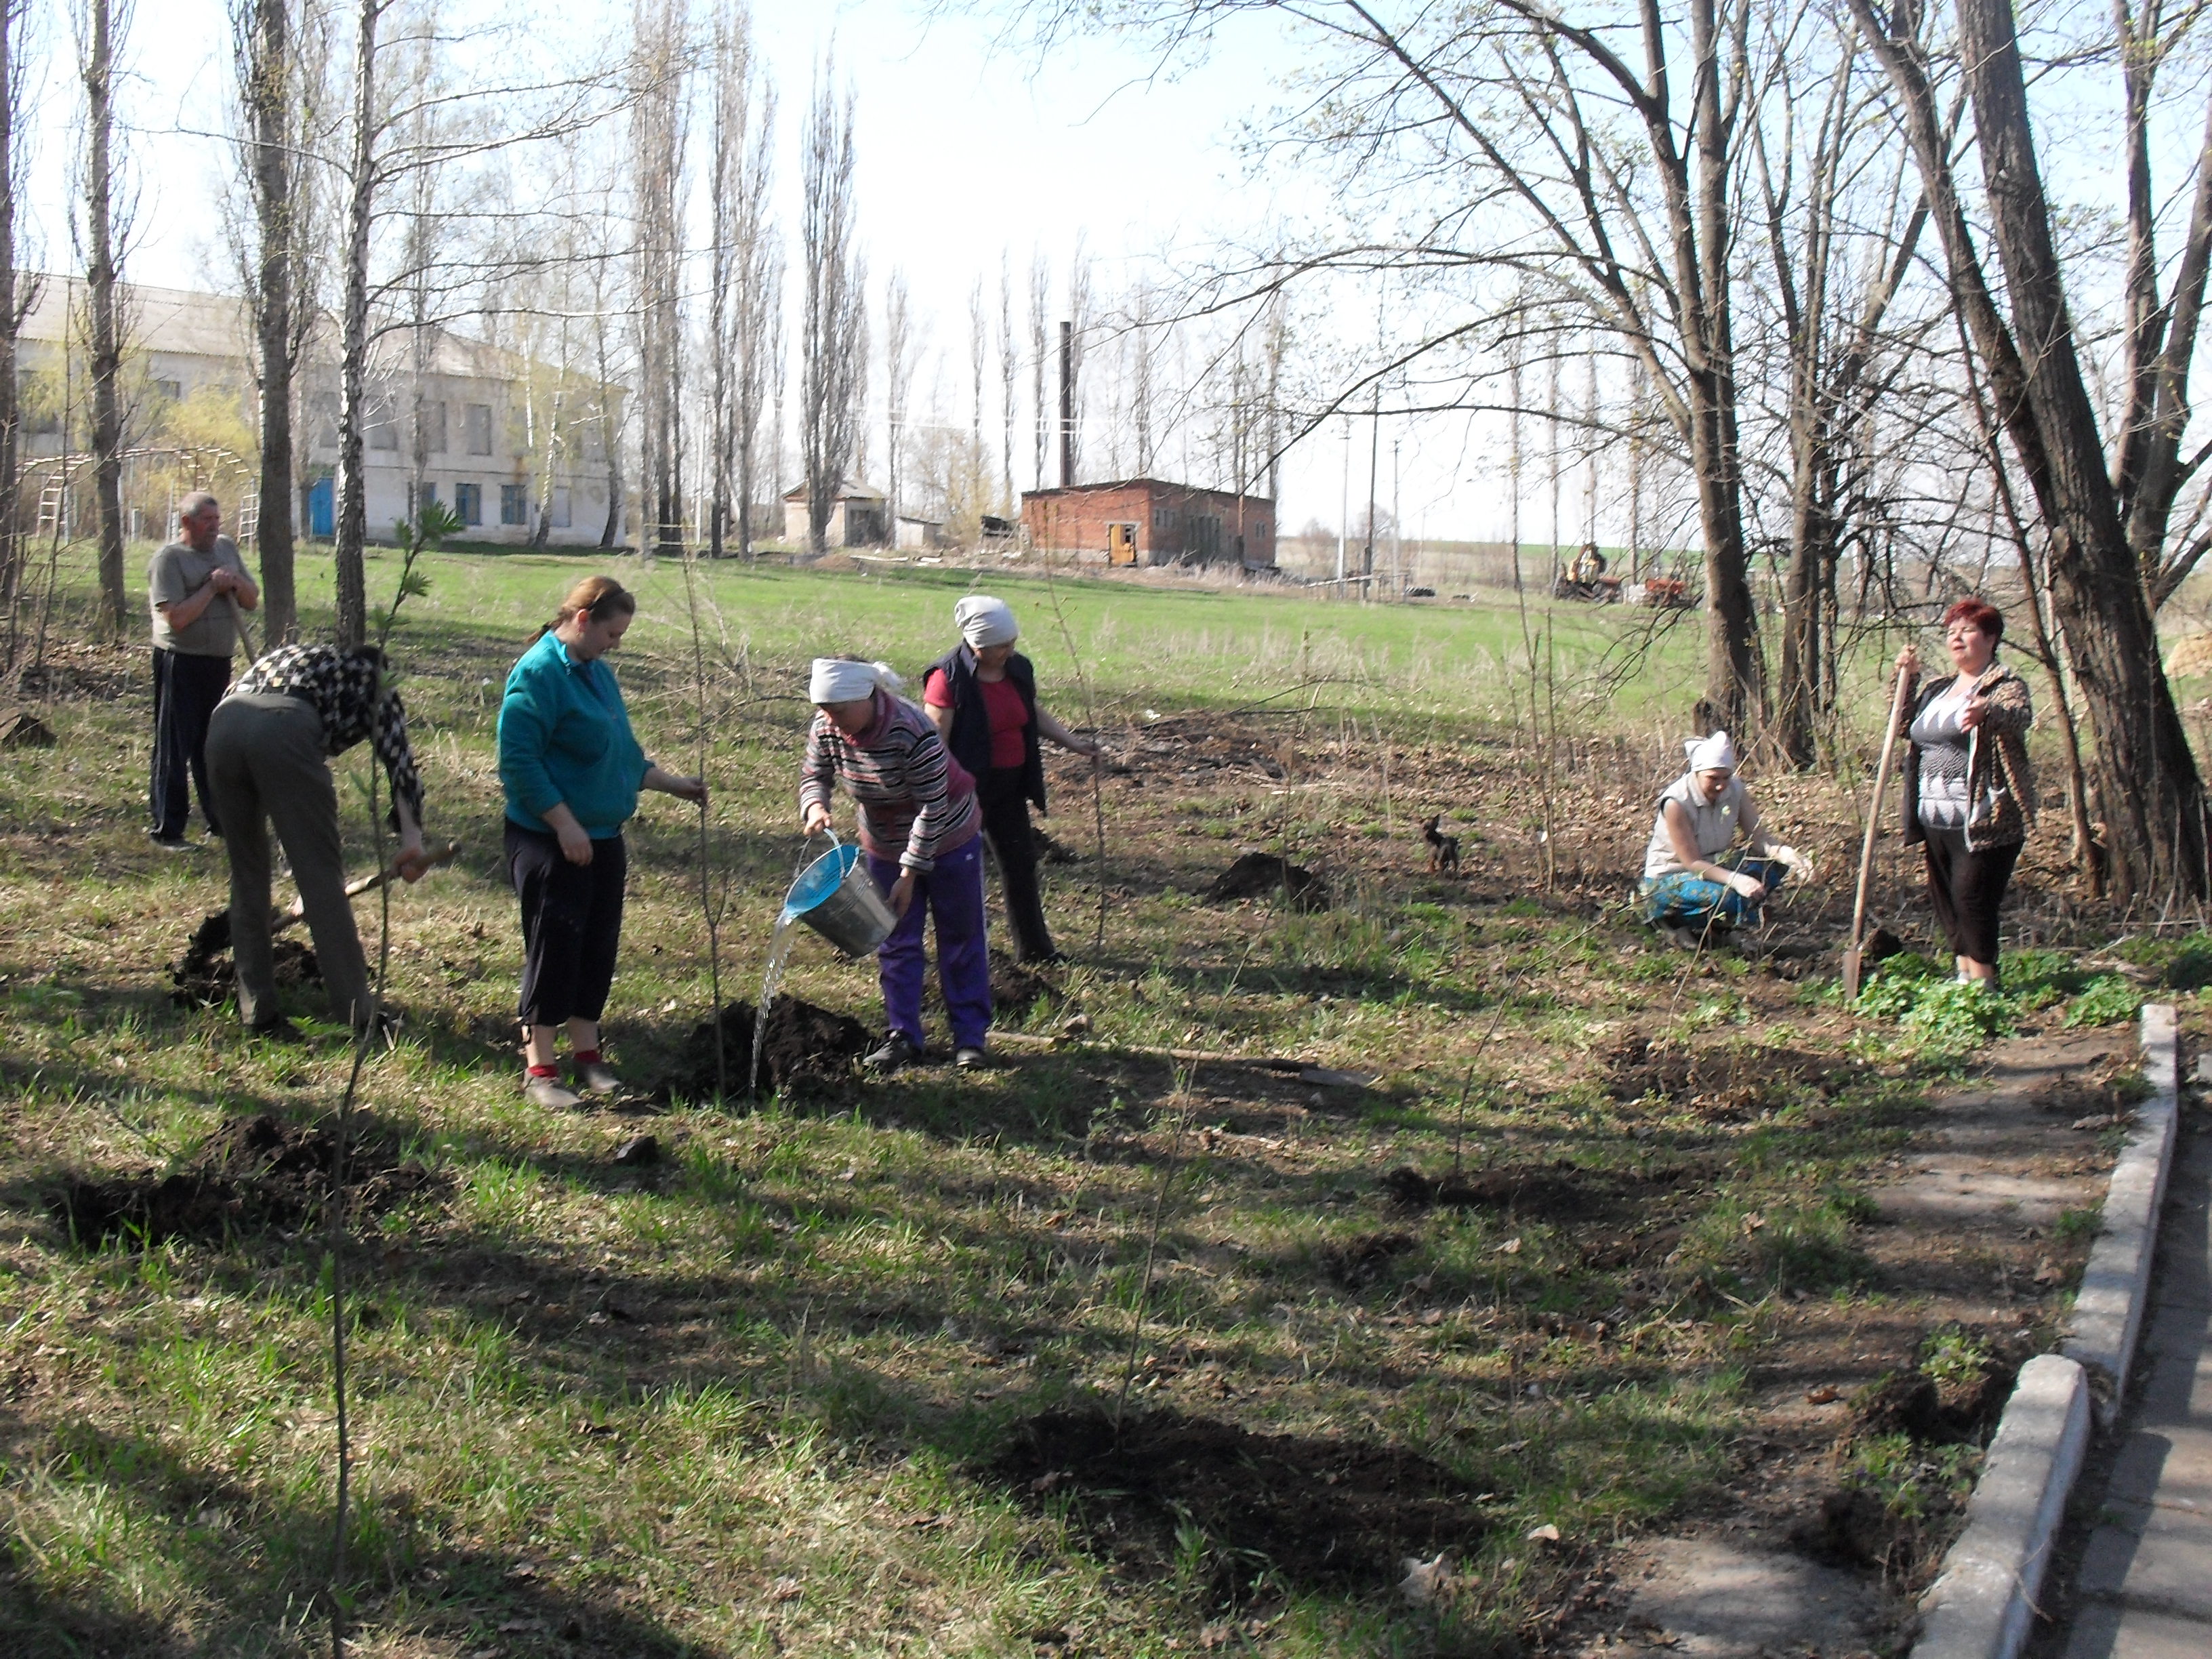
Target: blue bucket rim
845,855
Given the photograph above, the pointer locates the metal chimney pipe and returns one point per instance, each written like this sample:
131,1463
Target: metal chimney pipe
1067,404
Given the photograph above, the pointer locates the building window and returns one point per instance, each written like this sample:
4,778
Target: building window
514,503
476,427
560,514
173,390
429,495
468,503
326,421
383,430
430,427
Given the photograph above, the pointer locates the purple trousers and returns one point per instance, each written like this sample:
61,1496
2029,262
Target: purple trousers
953,894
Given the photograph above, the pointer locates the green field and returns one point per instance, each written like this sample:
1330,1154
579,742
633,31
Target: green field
789,1388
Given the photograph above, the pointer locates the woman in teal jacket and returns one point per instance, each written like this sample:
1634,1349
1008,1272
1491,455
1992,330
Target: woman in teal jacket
572,769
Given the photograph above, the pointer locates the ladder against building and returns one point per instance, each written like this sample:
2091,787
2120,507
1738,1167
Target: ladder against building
249,513
53,506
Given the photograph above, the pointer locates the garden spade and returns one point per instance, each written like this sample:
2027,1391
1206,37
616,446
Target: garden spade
214,932
1866,855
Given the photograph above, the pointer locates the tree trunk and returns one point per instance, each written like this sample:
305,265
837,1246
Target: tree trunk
2147,775
11,539
353,350
104,309
269,86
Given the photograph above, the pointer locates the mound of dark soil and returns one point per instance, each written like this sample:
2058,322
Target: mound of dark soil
205,975
1716,1084
1559,1191
252,1175
1016,989
1853,1528
1359,1262
1310,1512
807,1049
1954,1412
1265,876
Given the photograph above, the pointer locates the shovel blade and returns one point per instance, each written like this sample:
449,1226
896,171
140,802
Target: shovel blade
1851,961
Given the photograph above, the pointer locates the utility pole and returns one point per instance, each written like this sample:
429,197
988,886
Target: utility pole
1397,528
1373,461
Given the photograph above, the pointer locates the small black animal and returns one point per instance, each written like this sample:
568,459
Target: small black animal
1443,849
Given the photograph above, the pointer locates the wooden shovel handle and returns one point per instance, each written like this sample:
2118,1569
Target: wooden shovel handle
1873,823
361,884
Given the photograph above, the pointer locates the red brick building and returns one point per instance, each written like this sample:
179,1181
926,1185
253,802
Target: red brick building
1149,521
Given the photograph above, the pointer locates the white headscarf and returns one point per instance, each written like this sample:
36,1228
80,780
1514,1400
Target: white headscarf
1713,754
839,679
984,621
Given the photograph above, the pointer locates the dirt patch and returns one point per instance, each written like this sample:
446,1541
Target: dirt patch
1267,875
1959,1407
1016,989
1359,1262
1307,1511
1852,1526
252,1175
1718,1084
808,1049
206,976
1557,1191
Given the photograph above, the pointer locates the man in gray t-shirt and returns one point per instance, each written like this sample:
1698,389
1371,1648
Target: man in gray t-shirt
197,586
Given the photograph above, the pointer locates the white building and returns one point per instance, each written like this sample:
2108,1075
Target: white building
481,455
856,517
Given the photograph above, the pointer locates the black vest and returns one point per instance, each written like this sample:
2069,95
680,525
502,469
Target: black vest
970,742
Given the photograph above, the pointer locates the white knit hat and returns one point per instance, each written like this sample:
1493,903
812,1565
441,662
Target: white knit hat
1713,754
983,620
841,679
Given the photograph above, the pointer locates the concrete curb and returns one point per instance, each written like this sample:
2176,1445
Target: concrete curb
2109,1310
1983,1604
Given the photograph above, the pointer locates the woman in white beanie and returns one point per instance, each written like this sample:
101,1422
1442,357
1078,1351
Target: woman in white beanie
919,827
982,695
1697,884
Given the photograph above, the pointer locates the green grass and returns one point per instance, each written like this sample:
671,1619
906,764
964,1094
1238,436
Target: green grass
749,1400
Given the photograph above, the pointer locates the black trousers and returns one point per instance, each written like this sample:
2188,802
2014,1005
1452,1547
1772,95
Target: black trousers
185,691
571,924
1007,825
1966,887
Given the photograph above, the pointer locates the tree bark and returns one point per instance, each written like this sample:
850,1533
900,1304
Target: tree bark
14,296
352,525
104,310
269,86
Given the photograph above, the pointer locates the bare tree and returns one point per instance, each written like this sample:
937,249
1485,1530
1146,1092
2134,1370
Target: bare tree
898,382
1009,373
280,104
833,342
2108,523
731,78
657,144
19,291
106,228
1040,350
1081,303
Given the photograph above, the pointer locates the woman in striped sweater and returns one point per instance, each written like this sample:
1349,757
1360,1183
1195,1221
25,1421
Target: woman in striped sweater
920,829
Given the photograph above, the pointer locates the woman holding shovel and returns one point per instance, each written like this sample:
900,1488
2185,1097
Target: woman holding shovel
572,769
1969,796
982,697
268,747
919,826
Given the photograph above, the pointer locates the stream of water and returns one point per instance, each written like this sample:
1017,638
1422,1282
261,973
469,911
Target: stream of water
779,951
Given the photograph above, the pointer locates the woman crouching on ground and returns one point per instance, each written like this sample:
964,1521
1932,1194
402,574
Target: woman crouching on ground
1969,796
920,829
572,770
983,696
1695,889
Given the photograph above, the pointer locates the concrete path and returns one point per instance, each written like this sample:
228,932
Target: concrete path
2144,1588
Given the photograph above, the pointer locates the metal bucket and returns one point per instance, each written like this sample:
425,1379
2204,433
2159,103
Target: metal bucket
836,897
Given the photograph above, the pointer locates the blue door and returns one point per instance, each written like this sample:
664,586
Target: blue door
322,518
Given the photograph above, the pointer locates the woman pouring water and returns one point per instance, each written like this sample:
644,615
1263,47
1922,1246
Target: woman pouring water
920,829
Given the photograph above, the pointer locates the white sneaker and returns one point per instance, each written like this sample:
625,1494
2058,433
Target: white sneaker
550,1093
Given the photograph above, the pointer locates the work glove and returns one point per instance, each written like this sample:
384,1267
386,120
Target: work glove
1793,860
1749,886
